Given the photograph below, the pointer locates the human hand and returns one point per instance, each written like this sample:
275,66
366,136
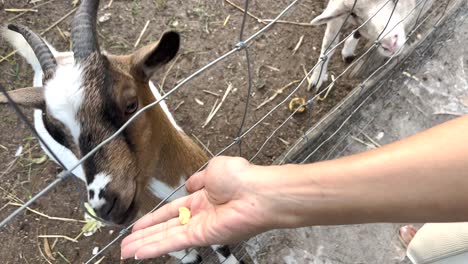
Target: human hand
225,209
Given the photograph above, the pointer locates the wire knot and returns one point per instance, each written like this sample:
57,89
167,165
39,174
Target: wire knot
376,43
237,140
123,232
323,57
241,45
64,174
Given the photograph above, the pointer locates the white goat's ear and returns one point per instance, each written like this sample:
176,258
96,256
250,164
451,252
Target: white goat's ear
332,11
29,97
149,58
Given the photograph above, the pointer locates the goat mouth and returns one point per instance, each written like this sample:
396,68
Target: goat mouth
386,52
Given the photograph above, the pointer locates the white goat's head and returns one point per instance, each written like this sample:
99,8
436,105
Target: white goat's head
385,25
86,102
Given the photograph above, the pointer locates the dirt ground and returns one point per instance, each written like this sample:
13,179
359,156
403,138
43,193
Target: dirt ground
209,29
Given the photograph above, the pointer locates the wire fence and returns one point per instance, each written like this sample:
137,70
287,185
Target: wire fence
242,133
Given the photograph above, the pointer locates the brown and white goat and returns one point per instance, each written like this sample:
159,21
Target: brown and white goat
82,97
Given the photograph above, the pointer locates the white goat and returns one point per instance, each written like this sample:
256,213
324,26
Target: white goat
83,97
387,25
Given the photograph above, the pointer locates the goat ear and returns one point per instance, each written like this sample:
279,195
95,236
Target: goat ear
29,97
332,11
148,59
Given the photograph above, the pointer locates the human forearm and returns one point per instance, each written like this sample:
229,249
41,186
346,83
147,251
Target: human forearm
419,179
422,178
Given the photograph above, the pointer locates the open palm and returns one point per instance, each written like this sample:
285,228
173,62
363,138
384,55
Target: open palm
223,211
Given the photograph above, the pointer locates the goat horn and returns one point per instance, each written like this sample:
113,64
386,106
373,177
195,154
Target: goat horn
41,50
84,37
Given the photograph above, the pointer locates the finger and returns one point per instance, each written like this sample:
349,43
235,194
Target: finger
152,230
163,214
196,182
154,250
130,249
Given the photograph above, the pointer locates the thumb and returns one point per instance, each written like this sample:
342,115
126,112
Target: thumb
196,182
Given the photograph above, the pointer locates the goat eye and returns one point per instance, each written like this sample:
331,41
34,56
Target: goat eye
132,106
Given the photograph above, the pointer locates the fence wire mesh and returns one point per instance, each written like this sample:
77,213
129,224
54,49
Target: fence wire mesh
243,45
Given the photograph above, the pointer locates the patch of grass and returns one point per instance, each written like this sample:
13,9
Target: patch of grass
160,4
8,120
136,8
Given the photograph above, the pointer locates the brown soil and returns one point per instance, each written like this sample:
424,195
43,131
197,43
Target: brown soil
204,39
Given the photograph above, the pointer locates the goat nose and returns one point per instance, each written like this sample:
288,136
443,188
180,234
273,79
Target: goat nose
390,43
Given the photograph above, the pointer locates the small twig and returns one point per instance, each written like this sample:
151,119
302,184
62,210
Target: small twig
298,45
47,249
8,56
226,20
109,4
213,107
58,21
79,235
266,21
203,145
407,74
47,216
55,243
284,141
211,115
62,34
100,260
3,147
178,105
200,102
141,34
363,142
371,140
59,236
4,206
40,250
277,92
11,195
328,91
45,3
242,10
288,22
16,10
63,257
210,92
272,68
9,166
309,79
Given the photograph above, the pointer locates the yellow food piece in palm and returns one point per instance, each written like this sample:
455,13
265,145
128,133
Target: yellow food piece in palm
184,215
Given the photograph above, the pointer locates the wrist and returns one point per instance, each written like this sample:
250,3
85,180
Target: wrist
268,186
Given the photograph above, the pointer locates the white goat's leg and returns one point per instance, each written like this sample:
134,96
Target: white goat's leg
349,48
330,39
187,256
224,254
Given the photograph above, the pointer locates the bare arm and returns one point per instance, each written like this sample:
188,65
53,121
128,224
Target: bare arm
419,179
423,178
